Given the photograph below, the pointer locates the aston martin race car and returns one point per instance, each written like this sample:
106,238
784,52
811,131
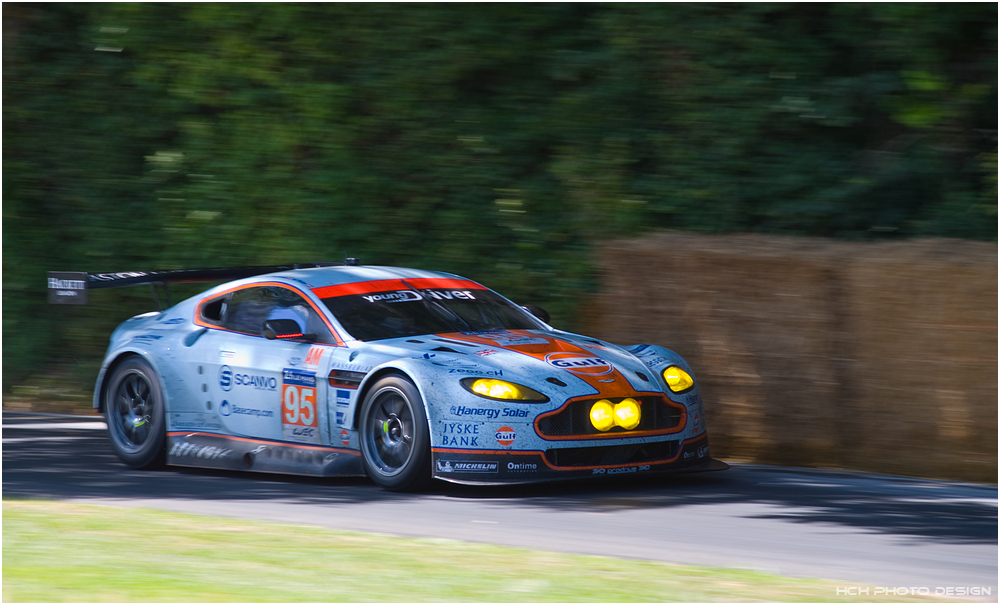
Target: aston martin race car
403,375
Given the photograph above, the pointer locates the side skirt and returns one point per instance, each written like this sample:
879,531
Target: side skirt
210,450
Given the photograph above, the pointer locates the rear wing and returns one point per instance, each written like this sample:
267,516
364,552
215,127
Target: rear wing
71,287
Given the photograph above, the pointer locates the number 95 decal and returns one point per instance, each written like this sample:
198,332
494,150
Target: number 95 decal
299,414
300,405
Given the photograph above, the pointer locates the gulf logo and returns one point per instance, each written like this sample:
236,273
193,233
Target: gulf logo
506,435
579,363
345,437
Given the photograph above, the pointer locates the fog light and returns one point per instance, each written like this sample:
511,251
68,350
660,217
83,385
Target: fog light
627,414
602,415
677,379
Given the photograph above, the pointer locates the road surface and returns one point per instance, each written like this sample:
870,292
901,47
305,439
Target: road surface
855,529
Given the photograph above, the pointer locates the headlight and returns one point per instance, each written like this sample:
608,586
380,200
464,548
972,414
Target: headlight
491,388
677,379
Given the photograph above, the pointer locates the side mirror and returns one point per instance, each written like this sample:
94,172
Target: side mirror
537,311
284,329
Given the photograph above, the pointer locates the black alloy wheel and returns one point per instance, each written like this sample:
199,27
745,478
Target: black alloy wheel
395,441
133,408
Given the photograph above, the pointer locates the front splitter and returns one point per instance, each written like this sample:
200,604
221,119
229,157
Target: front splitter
475,467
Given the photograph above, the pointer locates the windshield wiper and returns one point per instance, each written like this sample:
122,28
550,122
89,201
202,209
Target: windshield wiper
429,302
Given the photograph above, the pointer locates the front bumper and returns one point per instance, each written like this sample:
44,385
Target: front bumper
512,466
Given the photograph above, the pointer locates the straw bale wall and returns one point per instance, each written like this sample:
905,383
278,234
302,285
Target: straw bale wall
869,356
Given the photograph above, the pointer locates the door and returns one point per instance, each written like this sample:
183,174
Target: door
268,389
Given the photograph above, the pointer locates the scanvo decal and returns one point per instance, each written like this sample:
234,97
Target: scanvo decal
228,379
225,378
579,363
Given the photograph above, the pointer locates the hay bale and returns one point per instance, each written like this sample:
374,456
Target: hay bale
872,356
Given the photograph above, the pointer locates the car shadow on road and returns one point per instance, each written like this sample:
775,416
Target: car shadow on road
85,467
925,509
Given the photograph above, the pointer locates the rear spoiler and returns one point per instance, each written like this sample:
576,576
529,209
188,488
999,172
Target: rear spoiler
71,287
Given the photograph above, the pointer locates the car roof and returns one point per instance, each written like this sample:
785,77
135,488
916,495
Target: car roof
320,277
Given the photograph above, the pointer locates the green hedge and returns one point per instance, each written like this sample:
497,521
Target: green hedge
496,141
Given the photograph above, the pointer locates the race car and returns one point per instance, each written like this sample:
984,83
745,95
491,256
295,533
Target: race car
403,375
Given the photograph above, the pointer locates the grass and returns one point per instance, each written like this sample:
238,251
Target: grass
64,552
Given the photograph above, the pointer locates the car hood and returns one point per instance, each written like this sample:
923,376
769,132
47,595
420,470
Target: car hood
533,358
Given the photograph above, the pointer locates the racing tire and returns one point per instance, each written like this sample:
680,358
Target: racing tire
133,409
395,439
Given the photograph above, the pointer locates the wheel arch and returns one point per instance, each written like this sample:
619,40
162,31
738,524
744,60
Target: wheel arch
109,369
377,375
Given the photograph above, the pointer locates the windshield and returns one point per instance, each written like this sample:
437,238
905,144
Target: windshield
391,314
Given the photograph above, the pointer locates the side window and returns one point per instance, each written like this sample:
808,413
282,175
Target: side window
248,310
214,310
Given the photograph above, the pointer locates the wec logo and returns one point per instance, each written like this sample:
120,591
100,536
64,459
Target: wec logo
579,363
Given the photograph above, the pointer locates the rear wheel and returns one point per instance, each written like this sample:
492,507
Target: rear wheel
133,407
395,444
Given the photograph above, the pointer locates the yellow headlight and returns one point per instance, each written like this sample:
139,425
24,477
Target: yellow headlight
677,379
501,389
602,415
627,414
497,389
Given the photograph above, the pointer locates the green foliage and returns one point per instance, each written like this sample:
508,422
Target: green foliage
501,142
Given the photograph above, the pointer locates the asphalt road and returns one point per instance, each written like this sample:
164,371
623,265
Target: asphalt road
856,529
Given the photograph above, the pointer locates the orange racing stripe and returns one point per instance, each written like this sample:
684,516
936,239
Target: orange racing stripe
609,383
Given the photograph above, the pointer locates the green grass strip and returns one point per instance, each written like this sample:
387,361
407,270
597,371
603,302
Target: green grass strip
63,552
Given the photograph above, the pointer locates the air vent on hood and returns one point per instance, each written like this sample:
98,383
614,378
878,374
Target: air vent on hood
448,350
643,376
556,381
419,342
456,342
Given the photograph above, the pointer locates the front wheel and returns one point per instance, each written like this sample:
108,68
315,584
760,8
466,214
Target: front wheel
395,444
133,408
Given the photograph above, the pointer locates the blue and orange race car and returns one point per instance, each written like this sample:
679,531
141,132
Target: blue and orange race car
399,374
